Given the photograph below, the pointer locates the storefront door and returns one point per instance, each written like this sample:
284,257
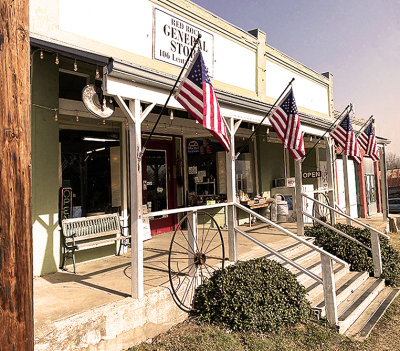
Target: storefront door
159,192
370,193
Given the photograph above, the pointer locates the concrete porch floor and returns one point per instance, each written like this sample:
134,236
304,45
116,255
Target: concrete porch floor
62,298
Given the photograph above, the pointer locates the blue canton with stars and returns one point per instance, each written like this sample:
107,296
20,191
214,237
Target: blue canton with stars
369,130
198,73
346,124
289,104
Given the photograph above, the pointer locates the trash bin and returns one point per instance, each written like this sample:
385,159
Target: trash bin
282,209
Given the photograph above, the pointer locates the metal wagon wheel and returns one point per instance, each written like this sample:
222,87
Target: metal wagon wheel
321,212
196,251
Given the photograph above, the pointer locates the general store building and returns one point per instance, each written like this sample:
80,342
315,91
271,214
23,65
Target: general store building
135,56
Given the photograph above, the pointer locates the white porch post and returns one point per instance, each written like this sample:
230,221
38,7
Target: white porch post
331,176
384,186
124,180
346,188
136,209
299,198
231,193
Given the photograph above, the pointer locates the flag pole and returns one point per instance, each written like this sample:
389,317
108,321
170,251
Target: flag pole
169,96
259,124
362,127
329,129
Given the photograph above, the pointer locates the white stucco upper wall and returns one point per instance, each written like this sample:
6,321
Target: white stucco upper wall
143,28
308,93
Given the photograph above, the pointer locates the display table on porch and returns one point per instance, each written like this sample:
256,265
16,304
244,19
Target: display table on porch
253,205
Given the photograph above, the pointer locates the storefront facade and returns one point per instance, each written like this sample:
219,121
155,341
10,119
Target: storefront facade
136,58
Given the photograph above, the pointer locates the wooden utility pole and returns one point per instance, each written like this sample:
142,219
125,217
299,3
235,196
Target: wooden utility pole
16,302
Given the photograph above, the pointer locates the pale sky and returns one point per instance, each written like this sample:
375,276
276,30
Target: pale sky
358,41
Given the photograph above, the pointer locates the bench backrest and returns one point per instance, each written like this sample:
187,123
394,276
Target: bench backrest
86,227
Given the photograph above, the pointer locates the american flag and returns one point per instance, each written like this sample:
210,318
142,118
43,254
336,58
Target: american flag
344,135
286,123
197,96
367,141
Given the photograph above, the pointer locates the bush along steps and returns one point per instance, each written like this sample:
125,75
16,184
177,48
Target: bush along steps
359,258
258,295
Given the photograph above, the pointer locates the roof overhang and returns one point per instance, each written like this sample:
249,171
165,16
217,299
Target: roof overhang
70,52
137,77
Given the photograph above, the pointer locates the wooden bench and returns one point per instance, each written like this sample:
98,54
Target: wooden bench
90,232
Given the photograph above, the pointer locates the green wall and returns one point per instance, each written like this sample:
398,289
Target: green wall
46,236
270,163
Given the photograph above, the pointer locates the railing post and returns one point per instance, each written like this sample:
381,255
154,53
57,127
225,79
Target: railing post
328,279
192,238
299,198
376,253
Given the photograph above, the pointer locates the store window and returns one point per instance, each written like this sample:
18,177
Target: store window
206,170
90,165
245,170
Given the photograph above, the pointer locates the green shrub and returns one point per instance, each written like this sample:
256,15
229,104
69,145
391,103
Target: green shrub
257,295
359,258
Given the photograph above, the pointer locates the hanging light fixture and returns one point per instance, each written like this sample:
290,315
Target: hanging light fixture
75,66
104,122
97,72
41,54
56,116
57,60
77,117
310,137
267,130
171,115
252,127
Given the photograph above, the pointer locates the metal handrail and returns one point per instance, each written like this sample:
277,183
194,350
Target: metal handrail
276,253
336,230
347,216
294,236
186,209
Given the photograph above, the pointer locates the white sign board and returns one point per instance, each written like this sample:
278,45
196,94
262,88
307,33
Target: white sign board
173,39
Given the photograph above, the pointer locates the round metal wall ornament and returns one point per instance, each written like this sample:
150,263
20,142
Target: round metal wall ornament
96,103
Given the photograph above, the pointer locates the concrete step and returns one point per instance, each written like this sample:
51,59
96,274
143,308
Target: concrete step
361,299
315,289
338,270
352,308
303,258
345,286
291,249
363,326
292,252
